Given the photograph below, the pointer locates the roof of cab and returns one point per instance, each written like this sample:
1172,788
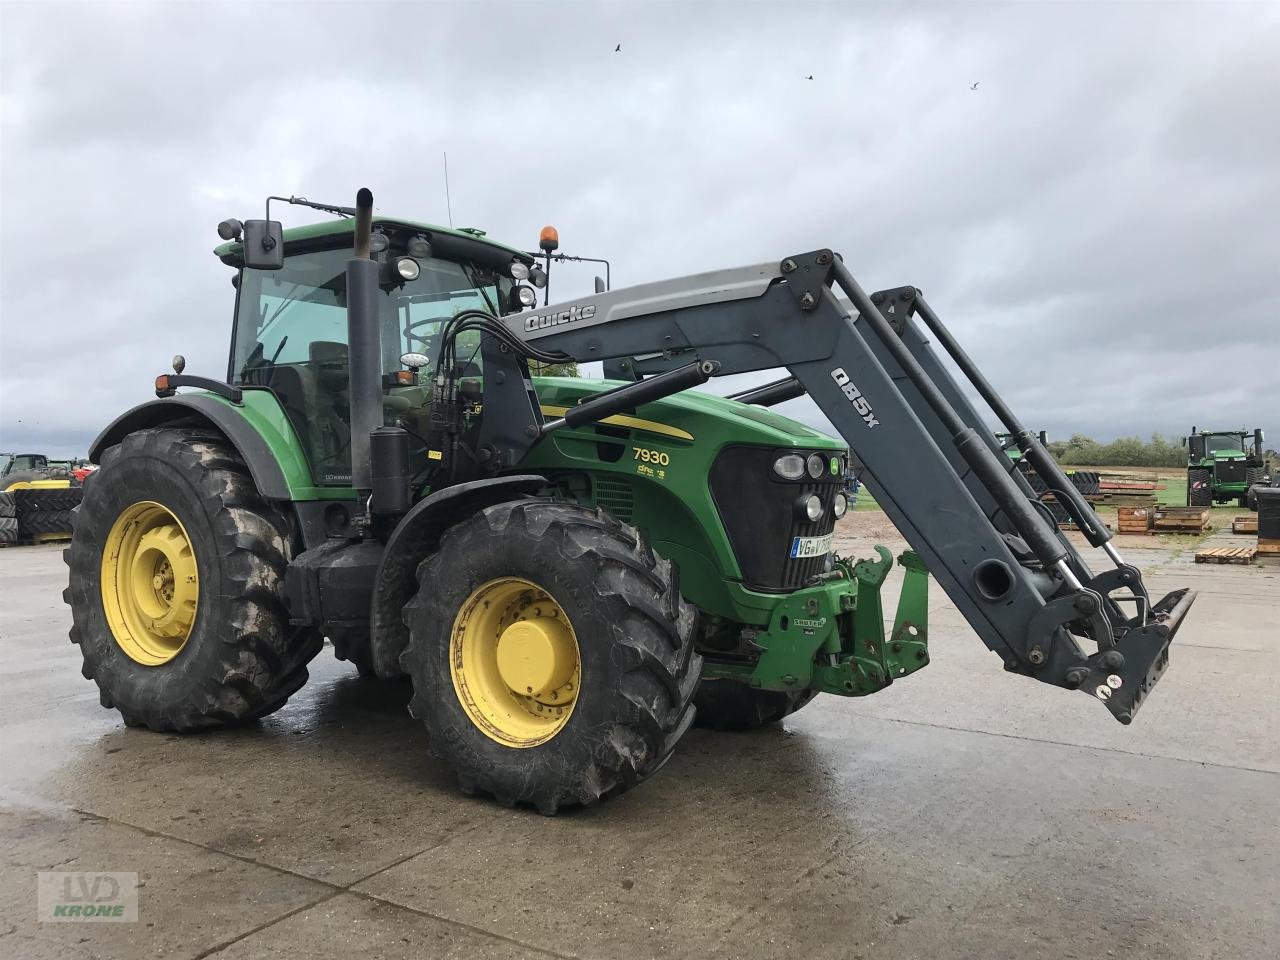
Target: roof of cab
230,252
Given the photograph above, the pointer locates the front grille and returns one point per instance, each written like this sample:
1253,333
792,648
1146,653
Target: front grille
614,494
1229,471
758,510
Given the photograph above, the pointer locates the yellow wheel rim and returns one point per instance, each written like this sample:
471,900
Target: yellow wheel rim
150,583
515,663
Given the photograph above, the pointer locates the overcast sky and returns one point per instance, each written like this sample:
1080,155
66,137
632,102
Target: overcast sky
1099,221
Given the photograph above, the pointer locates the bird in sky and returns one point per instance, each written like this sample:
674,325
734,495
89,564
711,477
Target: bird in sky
618,48
809,77
974,85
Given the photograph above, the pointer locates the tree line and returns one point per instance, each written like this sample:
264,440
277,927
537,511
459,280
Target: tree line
1159,451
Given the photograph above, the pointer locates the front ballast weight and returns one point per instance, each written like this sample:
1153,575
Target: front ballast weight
830,637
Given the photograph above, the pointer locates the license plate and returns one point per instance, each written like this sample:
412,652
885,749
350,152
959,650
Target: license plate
812,546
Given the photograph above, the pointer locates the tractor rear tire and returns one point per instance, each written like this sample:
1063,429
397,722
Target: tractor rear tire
8,506
729,705
1199,489
174,538
631,661
8,529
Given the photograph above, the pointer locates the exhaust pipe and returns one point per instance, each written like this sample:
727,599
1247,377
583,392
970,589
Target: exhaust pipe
364,349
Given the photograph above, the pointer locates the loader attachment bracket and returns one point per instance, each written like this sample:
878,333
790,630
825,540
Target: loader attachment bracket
1123,677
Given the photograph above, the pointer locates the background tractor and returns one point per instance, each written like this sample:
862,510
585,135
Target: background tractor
24,470
1222,465
568,570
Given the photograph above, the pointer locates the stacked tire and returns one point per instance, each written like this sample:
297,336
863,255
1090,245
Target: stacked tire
45,512
8,519
1088,482
1040,488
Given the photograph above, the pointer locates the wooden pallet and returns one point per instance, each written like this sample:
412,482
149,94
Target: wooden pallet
1135,519
1181,519
1244,525
1227,555
1271,547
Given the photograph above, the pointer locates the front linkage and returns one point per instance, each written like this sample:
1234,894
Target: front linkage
830,637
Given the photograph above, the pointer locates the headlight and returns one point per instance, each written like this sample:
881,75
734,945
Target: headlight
816,465
789,467
528,296
538,277
841,505
519,270
813,507
408,268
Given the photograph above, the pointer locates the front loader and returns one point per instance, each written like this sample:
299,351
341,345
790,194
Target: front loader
569,571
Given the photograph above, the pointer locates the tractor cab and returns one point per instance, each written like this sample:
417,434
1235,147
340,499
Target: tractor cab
25,461
290,330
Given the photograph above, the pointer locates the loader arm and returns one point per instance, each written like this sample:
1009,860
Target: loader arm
925,453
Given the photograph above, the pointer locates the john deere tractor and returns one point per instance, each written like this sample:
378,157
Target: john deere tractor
25,470
1222,465
567,570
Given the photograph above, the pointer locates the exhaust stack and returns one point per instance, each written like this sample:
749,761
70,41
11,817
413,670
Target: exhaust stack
364,348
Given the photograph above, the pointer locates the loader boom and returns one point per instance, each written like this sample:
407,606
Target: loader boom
926,454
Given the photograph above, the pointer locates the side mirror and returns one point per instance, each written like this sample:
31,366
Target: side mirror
1184,441
1044,439
600,287
263,244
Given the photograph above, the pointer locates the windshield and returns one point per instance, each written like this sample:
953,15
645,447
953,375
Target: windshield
1223,441
291,337
298,314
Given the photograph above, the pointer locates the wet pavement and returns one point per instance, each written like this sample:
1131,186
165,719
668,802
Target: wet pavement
961,813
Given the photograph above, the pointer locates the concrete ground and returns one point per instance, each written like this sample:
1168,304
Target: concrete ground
961,813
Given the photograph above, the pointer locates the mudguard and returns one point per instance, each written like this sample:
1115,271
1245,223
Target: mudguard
186,409
413,538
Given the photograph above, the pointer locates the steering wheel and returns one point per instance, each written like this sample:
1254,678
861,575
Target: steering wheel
413,325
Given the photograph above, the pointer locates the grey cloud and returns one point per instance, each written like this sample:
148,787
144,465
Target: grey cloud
1097,221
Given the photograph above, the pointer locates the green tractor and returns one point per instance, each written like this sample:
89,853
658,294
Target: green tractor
1223,465
567,570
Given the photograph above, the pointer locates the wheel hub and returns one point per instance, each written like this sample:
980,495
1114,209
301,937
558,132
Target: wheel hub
537,656
515,662
150,583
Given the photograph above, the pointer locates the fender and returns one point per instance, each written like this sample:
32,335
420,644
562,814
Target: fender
198,408
414,537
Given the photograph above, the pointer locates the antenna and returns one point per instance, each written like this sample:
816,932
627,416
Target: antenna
447,202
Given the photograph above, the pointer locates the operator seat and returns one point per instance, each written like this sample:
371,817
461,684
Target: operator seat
329,406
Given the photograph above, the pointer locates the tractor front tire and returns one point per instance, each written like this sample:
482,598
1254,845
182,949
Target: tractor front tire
1199,489
551,654
729,705
177,586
